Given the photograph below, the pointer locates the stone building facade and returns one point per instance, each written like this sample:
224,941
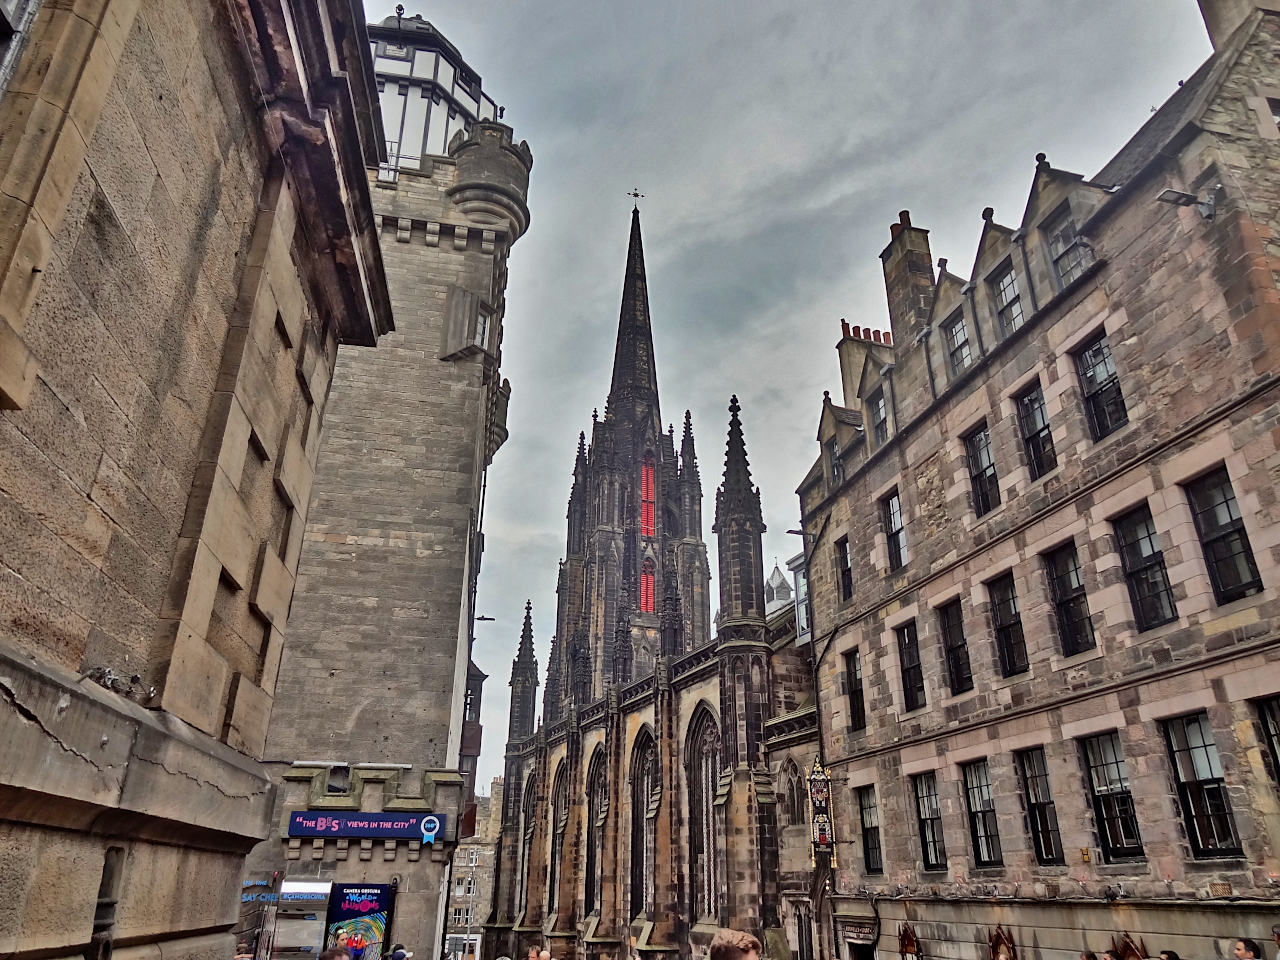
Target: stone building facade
376,687
474,877
180,256
1042,548
651,804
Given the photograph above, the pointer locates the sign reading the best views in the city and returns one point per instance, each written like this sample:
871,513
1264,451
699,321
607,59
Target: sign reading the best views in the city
411,826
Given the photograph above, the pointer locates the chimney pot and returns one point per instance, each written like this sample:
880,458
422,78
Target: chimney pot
875,336
895,229
857,333
844,326
888,338
904,217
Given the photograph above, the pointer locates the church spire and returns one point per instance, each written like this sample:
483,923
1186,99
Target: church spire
634,377
524,682
688,457
524,655
737,495
738,526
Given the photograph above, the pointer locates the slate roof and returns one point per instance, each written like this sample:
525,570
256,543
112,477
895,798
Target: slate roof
1184,106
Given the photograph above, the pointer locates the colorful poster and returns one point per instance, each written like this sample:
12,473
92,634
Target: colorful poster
409,826
359,917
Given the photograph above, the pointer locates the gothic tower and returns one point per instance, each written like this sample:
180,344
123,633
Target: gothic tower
749,811
634,528
524,683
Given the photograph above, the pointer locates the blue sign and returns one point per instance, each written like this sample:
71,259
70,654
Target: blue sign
382,826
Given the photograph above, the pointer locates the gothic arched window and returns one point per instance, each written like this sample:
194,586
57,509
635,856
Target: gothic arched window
647,521
526,846
797,797
703,771
646,795
559,820
597,809
647,575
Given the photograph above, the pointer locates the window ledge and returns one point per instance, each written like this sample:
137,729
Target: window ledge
1049,474
1234,861
1122,867
1060,662
1004,683
912,714
959,697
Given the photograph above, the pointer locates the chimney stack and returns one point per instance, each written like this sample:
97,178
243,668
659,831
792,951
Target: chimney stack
908,278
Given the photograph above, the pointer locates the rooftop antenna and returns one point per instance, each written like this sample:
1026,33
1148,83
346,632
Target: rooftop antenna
399,16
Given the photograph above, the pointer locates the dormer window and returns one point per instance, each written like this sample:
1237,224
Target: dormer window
1068,252
879,418
1004,289
957,336
833,458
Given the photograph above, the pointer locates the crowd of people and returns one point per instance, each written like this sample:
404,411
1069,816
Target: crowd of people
1244,948
725,945
737,945
345,947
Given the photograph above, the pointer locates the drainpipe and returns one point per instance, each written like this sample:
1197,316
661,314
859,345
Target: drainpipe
1020,238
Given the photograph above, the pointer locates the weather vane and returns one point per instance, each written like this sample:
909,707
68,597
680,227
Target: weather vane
636,196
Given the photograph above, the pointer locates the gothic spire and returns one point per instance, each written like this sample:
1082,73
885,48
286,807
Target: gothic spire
634,377
580,465
688,458
525,653
524,683
737,495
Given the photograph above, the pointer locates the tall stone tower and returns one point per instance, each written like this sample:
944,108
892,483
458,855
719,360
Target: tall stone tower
374,711
743,647
634,524
524,683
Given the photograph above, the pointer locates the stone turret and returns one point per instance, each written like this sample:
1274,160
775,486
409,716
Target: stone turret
493,176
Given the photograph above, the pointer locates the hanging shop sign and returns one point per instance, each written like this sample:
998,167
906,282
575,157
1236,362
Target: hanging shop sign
824,841
359,916
379,826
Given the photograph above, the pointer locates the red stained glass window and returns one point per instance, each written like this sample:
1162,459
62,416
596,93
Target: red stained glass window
647,526
646,587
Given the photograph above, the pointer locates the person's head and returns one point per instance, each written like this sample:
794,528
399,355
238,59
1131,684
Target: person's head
1169,955
1275,933
1109,955
544,955
398,952
342,935
1088,955
1246,948
335,953
734,945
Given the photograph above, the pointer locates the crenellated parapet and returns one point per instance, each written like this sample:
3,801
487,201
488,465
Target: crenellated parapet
493,176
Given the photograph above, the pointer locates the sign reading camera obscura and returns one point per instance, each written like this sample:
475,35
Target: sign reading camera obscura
379,826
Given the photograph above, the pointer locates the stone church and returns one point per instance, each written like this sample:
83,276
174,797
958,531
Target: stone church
671,750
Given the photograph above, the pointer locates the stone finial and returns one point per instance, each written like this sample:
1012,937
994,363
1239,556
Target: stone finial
988,213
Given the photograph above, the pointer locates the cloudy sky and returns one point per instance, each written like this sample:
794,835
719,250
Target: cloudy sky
774,142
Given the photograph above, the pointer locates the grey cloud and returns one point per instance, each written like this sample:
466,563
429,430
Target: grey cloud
776,145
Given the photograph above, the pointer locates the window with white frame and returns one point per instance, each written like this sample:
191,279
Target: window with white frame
1004,289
